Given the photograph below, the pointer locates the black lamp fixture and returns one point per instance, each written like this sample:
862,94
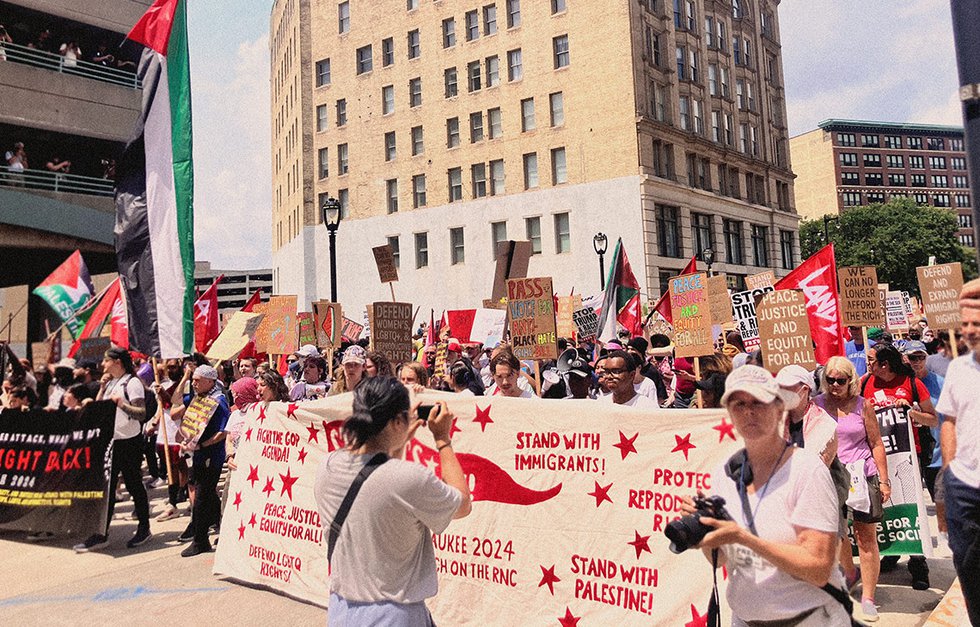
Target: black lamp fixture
600,243
331,219
708,256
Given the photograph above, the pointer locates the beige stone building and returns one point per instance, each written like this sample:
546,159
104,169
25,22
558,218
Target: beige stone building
444,127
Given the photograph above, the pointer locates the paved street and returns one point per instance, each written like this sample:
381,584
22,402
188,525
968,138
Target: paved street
153,583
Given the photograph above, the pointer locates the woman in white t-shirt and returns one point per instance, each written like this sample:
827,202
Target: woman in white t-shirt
780,547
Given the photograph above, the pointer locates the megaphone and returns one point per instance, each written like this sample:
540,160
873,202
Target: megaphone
565,360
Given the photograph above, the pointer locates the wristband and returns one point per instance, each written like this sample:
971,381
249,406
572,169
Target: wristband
447,444
886,482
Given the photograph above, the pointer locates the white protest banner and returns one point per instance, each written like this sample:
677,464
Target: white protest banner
895,316
570,499
746,323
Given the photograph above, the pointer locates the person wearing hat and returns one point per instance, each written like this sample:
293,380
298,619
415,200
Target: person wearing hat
578,379
120,385
63,377
208,458
807,424
780,545
353,369
930,457
959,403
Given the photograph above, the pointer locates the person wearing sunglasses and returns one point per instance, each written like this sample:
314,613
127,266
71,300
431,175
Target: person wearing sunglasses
858,440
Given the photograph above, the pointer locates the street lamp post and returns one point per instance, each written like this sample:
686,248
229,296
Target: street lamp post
599,243
331,220
827,219
708,256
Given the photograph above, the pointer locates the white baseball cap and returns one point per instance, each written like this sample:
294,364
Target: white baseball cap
754,381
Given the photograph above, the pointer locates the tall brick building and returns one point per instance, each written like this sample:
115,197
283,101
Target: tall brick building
444,127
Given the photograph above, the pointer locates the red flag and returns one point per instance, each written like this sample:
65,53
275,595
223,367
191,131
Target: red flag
817,278
249,350
461,323
253,301
430,333
153,29
206,327
109,304
663,305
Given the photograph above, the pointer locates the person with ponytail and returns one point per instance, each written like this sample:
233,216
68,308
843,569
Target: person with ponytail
380,528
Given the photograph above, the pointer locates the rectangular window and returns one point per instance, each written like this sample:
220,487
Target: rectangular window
494,123
743,138
560,47
395,247
918,180
456,249
698,111
937,163
342,159
452,132
916,162
936,143
846,139
659,102
668,231
760,246
513,13
418,190
895,161
455,176
496,177
873,179
321,118
387,52
476,127
963,200
365,62
342,112
532,228
896,180
531,170
387,99
712,79
786,248
449,75
849,178
709,31
559,171
323,162
413,4
498,234
489,20
722,31
960,182
915,143
478,175
473,76
418,145
414,92
957,163
421,250
472,21
851,199
875,198
448,32
343,17
869,141
515,66
493,71
527,115
557,103
733,242
716,118
848,159
681,54
389,145
872,160
893,141
694,66
921,199
557,6
725,88
391,195
701,227
940,180
941,200
685,111
563,238
414,44
323,72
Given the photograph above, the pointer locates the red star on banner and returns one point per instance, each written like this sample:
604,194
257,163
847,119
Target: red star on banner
241,532
483,417
640,544
625,445
696,619
549,578
248,435
454,430
683,444
287,483
601,494
291,410
253,474
313,433
238,500
251,521
302,456
261,417
724,428
568,620
269,488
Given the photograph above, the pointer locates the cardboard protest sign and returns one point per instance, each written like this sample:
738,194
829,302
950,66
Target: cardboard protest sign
784,331
439,368
474,325
859,298
92,349
236,334
586,323
882,297
54,474
746,323
391,331
719,300
329,319
564,322
692,315
512,260
307,328
761,280
385,258
895,316
570,503
532,318
350,330
278,332
940,289
196,418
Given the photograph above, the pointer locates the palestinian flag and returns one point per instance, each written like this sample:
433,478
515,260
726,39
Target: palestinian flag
67,290
621,302
110,308
155,192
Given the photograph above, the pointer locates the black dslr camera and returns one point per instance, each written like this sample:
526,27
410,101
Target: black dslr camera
689,530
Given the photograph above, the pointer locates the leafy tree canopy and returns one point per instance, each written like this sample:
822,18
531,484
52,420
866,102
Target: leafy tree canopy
896,237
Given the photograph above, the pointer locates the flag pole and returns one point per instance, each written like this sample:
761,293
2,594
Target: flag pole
161,422
89,305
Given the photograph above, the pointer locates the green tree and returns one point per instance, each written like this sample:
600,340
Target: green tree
895,237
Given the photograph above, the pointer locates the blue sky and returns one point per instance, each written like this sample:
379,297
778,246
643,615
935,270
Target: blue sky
889,60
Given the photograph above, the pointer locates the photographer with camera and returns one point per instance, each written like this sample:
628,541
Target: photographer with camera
773,520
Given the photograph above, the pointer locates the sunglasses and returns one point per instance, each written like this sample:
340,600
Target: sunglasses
836,381
917,357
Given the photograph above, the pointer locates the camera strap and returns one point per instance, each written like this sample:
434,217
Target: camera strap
714,604
345,505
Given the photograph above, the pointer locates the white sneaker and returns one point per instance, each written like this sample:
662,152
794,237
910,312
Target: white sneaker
169,514
869,610
158,483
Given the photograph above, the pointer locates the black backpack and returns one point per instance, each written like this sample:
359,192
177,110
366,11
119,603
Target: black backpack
150,401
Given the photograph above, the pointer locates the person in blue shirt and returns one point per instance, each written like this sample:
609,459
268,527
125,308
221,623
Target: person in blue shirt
932,460
854,350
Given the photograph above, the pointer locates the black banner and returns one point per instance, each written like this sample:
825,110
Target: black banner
54,469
